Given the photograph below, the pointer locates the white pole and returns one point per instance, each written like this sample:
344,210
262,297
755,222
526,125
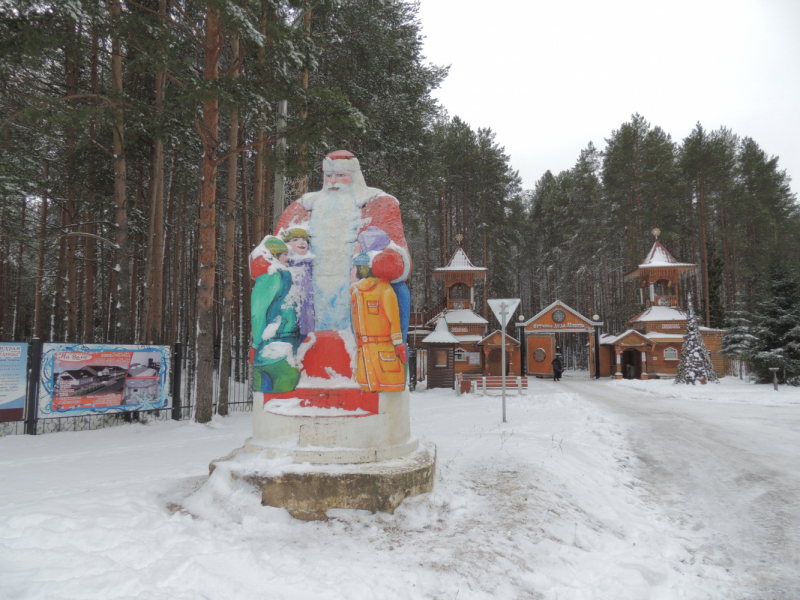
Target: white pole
503,367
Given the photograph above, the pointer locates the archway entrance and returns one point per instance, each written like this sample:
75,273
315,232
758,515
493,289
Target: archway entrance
494,362
631,364
540,337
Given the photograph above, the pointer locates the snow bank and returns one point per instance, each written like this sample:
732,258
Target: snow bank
545,506
729,389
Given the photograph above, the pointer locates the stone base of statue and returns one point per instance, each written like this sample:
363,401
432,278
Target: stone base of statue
341,456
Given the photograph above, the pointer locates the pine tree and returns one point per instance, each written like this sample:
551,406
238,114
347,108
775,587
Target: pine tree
695,364
778,329
740,339
716,271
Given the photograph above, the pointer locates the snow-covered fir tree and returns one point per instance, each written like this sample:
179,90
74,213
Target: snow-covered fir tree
778,328
740,339
695,362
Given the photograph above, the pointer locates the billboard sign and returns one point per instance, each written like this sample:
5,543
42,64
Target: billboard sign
79,379
13,379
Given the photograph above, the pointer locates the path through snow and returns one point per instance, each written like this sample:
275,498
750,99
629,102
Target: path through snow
549,505
721,459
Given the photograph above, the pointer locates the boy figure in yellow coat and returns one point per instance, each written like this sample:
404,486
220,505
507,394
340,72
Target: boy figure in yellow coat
376,324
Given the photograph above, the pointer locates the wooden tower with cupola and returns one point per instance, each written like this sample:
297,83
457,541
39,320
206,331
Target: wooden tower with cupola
651,344
476,351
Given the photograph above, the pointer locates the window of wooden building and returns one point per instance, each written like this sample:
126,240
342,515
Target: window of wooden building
670,354
461,355
441,358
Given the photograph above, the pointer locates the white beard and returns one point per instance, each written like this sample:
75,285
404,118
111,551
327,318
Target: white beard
358,189
333,228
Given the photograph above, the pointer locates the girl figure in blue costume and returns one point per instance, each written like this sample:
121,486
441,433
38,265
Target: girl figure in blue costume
276,330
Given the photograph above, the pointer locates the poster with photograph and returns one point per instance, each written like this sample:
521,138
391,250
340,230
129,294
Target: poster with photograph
13,380
99,378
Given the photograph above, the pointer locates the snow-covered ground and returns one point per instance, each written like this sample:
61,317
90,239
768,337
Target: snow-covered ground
560,502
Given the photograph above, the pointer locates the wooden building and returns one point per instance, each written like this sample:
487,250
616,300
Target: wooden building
651,344
477,352
540,336
441,345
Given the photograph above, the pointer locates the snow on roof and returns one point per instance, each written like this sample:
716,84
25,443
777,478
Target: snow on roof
460,262
613,339
441,335
654,335
508,337
469,338
562,305
660,313
660,257
464,316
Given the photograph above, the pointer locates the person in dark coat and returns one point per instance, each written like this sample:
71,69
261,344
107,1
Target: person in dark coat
558,368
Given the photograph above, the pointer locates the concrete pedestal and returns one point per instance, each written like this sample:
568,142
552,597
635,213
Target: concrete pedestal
341,459
307,491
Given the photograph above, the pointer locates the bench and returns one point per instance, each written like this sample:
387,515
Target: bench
483,384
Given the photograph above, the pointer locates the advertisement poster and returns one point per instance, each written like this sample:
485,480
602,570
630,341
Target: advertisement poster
13,379
100,378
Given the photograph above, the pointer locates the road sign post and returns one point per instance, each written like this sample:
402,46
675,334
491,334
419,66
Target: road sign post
503,308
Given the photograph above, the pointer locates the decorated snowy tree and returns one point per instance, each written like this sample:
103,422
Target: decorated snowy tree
695,362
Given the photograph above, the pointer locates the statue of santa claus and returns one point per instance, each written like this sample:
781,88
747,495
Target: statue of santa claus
343,219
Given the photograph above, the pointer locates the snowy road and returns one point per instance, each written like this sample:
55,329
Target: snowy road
727,467
591,491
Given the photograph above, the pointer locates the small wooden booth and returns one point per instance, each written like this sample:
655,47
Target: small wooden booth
540,339
492,346
441,346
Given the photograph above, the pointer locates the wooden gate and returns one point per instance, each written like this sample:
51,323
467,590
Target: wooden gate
540,351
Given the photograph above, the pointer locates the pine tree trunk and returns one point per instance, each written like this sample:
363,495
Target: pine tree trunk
246,246
230,239
16,332
57,317
5,291
207,254
256,226
70,209
178,261
90,254
443,209
155,246
38,317
120,270
701,217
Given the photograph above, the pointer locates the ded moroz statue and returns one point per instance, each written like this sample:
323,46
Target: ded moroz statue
343,219
330,320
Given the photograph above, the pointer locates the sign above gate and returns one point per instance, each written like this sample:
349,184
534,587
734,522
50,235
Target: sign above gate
559,318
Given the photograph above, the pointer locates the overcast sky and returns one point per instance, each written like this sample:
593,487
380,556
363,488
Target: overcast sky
549,77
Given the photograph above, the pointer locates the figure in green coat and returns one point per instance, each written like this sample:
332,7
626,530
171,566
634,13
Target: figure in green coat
276,330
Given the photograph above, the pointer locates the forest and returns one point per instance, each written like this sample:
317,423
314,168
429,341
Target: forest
146,146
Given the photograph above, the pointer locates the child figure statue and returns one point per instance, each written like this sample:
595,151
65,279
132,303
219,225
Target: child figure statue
376,324
276,331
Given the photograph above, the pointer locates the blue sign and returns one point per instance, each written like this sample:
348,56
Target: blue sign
13,379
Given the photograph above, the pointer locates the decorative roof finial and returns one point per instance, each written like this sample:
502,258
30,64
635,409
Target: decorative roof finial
459,237
656,232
